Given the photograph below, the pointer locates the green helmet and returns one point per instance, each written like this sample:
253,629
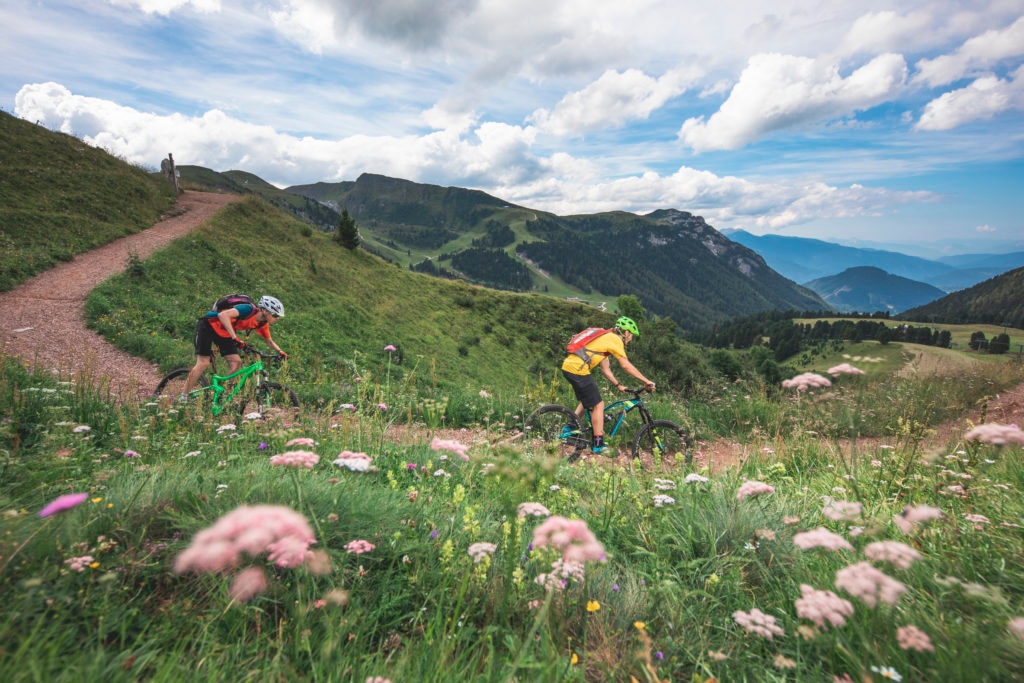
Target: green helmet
627,325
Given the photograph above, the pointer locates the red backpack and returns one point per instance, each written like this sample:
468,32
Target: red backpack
579,341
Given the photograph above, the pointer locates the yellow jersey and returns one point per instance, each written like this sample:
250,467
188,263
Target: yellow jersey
609,344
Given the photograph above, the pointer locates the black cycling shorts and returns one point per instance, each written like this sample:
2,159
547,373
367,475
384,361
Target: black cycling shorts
206,338
585,388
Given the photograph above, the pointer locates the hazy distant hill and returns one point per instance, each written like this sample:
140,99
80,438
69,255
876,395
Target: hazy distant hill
802,259
996,301
867,289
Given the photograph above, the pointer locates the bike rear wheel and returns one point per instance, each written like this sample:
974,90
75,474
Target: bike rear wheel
172,386
662,440
556,429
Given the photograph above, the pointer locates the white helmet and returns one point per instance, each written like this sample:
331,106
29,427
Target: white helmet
272,305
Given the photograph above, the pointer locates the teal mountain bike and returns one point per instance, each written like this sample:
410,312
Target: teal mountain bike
557,427
250,385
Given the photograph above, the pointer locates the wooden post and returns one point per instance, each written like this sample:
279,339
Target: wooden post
173,173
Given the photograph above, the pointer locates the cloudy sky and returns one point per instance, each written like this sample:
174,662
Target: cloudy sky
856,121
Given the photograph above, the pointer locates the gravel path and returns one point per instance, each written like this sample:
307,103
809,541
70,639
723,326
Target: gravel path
43,322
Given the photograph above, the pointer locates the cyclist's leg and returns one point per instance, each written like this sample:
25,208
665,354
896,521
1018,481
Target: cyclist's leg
203,343
589,395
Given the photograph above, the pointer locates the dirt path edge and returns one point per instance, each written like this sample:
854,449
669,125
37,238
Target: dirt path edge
43,325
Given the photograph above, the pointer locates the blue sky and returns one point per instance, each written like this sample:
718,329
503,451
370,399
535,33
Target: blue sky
867,122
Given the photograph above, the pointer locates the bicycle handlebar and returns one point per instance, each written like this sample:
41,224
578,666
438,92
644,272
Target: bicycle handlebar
248,348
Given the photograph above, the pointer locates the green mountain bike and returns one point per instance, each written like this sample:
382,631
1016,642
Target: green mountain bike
249,385
557,427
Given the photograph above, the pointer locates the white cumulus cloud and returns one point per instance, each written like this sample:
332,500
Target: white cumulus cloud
777,91
612,100
979,52
982,99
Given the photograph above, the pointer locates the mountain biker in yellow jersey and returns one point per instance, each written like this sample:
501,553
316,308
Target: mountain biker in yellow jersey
577,367
222,327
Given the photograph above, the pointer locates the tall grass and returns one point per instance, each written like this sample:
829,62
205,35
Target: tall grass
683,554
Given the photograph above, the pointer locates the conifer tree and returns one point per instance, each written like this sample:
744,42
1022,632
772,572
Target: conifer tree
348,233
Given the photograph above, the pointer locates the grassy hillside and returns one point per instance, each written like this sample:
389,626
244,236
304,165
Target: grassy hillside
997,301
342,307
60,197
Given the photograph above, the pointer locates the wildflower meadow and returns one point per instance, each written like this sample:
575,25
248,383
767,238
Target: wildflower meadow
366,544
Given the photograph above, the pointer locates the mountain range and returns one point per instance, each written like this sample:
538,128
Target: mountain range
804,260
677,264
869,289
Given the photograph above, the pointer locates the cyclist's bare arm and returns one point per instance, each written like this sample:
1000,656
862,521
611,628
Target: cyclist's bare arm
227,318
631,369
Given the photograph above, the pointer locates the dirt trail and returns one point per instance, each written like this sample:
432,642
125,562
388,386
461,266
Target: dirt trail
44,326
43,321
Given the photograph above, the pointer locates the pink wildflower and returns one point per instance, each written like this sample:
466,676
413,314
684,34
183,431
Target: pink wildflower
842,510
289,552
844,369
248,584
79,564
62,503
478,551
913,515
1016,627
805,381
913,638
899,555
130,454
300,441
246,529
382,406
357,462
358,547
305,459
820,538
532,509
570,536
390,347
450,445
753,488
757,622
863,581
996,434
377,679
821,606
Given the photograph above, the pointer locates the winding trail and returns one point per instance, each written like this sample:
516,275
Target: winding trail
43,321
43,325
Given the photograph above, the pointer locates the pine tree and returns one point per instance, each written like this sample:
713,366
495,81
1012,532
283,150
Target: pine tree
348,233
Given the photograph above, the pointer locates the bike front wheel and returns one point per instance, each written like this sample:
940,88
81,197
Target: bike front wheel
271,395
661,441
556,429
171,387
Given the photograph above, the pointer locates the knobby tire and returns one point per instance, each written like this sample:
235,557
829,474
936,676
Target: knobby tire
542,428
673,439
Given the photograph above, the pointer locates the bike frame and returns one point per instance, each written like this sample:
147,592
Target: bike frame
623,407
221,400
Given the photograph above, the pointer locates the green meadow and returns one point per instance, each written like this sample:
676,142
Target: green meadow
397,528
